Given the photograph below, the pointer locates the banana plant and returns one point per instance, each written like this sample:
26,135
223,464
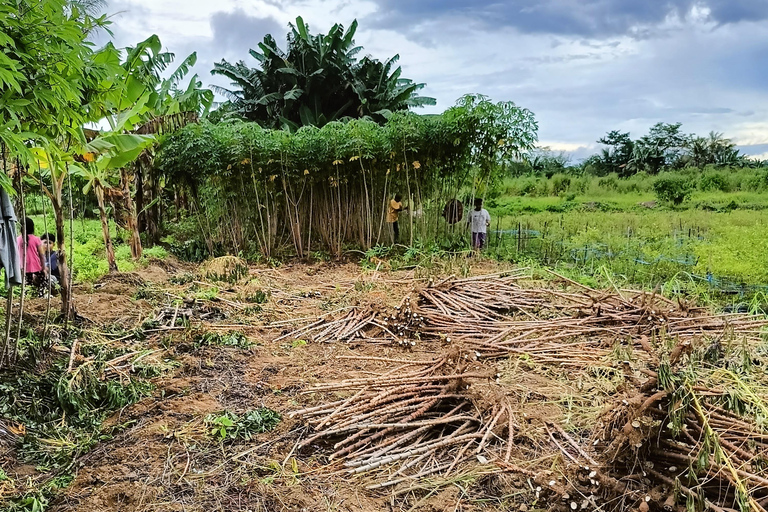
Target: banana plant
100,161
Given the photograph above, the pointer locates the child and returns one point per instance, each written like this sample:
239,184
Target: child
32,255
51,256
479,219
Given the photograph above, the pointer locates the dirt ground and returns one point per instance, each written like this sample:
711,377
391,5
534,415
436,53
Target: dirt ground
163,459
585,425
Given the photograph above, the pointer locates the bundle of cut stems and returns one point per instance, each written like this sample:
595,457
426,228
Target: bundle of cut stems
415,420
356,323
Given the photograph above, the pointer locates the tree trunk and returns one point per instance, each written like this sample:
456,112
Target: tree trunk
153,215
66,300
105,229
142,217
132,224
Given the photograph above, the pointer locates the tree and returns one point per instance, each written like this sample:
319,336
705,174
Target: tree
43,69
141,103
714,149
618,155
315,81
49,76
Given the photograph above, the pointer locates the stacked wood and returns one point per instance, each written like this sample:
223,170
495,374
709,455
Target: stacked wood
692,434
694,448
416,420
590,322
355,323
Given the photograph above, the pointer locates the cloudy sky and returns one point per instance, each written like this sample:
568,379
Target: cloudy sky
583,67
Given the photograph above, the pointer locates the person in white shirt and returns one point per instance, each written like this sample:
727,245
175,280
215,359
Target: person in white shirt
479,219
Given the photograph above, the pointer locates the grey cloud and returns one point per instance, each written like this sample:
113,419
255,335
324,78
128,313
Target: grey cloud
588,18
240,32
754,149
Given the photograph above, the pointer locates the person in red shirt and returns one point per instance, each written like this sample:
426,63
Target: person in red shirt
32,255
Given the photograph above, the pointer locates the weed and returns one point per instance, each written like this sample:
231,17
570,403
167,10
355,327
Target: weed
207,293
294,344
258,297
182,278
149,293
229,426
231,339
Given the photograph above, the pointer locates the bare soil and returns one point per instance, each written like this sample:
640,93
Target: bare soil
164,459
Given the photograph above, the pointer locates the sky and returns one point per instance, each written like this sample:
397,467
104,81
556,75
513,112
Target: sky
583,67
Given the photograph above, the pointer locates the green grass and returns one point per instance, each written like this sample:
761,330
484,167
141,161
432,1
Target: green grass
90,260
597,230
724,244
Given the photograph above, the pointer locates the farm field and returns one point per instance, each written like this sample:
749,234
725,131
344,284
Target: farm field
643,246
260,279
719,256
175,391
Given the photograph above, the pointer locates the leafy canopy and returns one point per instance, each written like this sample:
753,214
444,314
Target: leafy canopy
48,72
317,80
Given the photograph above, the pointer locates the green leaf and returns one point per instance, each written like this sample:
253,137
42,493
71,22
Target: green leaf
293,94
302,28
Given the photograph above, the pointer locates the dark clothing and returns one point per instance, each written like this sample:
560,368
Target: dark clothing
478,240
53,263
36,279
453,211
395,231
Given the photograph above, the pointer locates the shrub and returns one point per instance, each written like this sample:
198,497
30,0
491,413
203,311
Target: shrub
758,182
560,184
609,182
673,189
528,188
714,181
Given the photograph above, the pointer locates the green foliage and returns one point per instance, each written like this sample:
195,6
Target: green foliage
673,188
228,426
358,164
156,252
664,148
63,411
48,72
315,81
258,297
37,501
235,339
714,181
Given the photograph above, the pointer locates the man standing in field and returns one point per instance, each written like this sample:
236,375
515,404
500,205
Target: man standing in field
395,207
479,219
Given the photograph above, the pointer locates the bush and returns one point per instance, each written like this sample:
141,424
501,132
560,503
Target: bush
609,182
560,184
758,182
673,189
714,181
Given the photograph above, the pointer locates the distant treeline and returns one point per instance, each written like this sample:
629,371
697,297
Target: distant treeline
664,148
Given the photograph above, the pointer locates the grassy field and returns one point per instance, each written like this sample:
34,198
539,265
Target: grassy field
714,243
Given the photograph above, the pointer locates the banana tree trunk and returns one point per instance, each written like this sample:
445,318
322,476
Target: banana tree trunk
105,229
132,223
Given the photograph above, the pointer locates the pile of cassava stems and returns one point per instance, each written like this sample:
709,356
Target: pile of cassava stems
437,416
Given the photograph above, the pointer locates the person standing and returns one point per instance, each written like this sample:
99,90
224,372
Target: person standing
479,219
393,212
